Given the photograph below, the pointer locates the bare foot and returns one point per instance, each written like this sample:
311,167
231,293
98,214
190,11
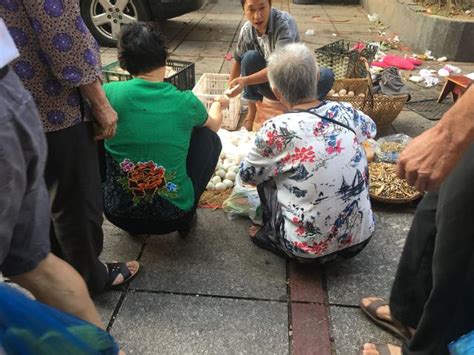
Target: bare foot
370,349
132,266
383,312
253,231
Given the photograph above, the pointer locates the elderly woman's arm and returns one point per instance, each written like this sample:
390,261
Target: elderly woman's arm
214,120
260,162
363,125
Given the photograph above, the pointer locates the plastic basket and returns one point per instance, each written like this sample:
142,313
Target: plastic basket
183,79
210,86
342,59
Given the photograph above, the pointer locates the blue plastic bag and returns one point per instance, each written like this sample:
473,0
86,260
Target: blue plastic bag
30,327
463,346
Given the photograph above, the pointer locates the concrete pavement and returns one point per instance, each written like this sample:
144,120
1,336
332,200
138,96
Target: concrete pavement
215,292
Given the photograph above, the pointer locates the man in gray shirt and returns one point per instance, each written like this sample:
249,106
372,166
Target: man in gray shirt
25,255
266,30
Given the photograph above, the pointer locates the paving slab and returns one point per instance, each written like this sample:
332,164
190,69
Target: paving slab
412,124
372,271
193,48
119,245
209,64
351,329
105,304
174,324
210,35
217,258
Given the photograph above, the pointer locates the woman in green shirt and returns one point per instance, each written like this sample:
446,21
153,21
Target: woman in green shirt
166,147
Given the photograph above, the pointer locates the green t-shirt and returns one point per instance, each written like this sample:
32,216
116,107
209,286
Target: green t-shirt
155,123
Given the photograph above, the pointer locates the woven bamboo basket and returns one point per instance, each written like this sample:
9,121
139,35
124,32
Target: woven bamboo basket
383,109
396,201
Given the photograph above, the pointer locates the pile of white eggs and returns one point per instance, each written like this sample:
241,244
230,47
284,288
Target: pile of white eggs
225,174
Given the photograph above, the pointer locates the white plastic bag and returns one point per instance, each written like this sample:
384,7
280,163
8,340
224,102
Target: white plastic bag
243,201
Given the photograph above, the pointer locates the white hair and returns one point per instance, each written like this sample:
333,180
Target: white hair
293,70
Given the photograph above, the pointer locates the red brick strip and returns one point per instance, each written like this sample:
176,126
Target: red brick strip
309,312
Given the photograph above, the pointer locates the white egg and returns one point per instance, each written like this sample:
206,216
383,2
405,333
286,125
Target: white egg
335,95
216,180
210,186
222,156
220,173
342,92
350,93
228,183
230,175
331,92
221,186
226,166
218,166
361,95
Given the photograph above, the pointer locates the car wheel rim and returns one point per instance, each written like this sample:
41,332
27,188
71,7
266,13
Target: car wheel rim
108,16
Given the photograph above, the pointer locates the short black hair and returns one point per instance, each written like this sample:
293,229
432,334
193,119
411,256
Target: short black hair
142,48
242,2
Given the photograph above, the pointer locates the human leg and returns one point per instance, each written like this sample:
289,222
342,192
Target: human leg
57,284
24,207
448,311
325,82
203,155
73,180
252,62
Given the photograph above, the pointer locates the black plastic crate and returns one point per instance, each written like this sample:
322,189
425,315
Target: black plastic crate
183,79
343,60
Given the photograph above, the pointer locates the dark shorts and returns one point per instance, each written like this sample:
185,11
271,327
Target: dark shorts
24,202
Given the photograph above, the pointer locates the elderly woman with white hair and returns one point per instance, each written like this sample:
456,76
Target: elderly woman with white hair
310,168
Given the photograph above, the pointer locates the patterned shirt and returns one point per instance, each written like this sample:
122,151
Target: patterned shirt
321,173
57,55
281,30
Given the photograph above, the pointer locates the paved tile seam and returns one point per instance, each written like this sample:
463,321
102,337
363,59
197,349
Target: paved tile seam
195,294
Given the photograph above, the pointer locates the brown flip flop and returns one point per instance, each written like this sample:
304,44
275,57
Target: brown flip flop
382,349
393,326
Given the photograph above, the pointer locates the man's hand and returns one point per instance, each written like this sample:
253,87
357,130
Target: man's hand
240,83
429,158
105,120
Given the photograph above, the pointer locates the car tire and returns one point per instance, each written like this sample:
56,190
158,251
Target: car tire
102,28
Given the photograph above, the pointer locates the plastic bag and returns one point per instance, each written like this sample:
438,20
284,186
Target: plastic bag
389,148
30,327
462,346
243,201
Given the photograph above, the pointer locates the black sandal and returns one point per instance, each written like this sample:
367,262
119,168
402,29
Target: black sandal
116,269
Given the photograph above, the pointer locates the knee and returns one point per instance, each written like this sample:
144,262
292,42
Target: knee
204,137
252,62
326,76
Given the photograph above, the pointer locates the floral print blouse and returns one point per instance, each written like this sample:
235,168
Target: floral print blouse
57,55
321,173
